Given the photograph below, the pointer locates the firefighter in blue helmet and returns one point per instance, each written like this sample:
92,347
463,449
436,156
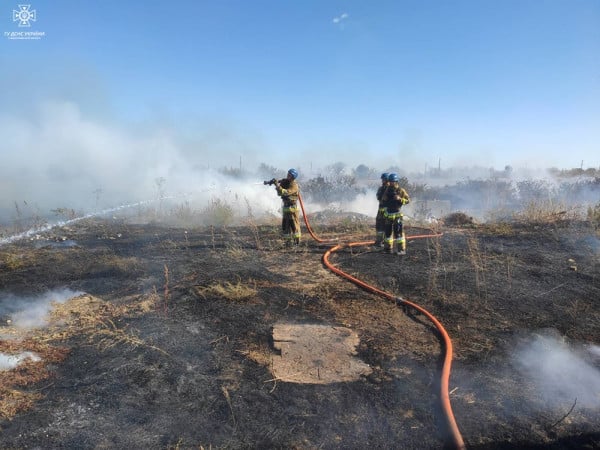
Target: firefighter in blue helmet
394,198
288,189
380,217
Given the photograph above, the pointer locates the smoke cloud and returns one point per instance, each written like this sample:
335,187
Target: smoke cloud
57,158
71,154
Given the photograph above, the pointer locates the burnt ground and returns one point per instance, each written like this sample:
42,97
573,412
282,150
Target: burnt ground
171,344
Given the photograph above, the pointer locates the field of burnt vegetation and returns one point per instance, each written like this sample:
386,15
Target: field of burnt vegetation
170,326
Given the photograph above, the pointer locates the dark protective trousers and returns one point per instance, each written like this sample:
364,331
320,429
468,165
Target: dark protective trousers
380,226
290,224
394,233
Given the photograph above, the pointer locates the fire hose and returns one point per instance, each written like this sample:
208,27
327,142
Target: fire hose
457,440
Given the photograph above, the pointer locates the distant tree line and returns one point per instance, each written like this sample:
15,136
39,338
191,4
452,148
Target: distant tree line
574,173
337,182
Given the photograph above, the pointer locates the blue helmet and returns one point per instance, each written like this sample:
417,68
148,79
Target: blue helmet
293,173
392,177
384,176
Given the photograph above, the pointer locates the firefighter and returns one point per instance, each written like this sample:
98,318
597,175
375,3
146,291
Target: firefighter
288,189
394,198
380,218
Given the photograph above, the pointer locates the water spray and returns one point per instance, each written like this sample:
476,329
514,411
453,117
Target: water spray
38,230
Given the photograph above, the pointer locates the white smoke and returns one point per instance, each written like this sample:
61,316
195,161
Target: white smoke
8,362
595,350
561,374
32,311
366,204
56,157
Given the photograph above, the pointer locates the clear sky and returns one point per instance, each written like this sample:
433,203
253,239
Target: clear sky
291,83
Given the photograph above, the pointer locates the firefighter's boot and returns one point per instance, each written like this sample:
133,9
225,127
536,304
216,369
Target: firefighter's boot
388,244
401,245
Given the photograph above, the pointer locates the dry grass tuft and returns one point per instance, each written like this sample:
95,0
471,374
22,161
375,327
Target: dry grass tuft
235,251
499,228
459,219
12,261
107,334
593,215
260,356
14,401
236,292
546,212
477,259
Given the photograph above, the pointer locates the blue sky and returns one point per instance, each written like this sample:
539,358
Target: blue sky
299,83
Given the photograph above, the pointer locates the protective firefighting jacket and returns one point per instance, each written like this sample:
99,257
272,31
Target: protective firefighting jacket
380,193
288,190
394,197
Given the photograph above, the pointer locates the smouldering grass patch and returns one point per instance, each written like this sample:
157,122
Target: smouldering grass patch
15,396
86,316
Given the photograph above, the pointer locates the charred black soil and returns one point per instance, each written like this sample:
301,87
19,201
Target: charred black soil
170,344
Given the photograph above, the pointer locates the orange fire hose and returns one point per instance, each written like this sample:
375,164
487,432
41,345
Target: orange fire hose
457,439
